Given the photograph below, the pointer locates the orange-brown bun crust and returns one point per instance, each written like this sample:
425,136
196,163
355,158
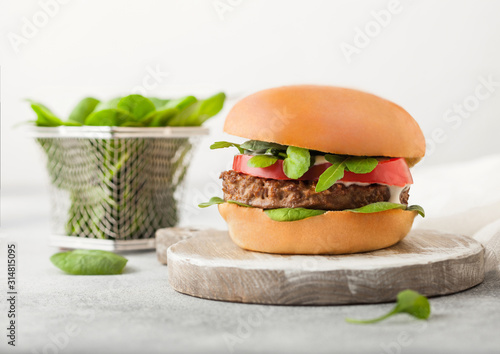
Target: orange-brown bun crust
329,119
335,232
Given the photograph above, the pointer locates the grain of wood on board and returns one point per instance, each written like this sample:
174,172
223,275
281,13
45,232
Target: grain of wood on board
211,266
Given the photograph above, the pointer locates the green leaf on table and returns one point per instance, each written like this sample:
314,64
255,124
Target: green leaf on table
109,117
45,117
408,301
197,113
361,165
89,262
292,214
82,110
332,174
226,144
297,162
262,161
217,200
138,106
257,145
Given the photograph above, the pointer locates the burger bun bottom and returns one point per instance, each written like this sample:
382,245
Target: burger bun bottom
334,232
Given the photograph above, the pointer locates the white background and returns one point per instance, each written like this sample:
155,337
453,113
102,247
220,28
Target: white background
428,57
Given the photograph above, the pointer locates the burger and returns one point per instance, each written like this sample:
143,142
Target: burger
325,170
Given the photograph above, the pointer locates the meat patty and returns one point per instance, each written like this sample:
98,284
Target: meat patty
272,194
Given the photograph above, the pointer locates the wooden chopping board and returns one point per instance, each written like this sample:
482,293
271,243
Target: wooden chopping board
211,266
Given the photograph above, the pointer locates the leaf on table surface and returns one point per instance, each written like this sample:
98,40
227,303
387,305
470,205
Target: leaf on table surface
89,262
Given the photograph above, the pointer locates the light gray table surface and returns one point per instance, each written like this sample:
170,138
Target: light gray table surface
138,312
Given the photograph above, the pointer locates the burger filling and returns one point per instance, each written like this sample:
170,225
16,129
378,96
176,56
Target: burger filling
268,193
292,183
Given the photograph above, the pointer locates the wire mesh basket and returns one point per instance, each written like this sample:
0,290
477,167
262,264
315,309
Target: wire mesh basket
112,187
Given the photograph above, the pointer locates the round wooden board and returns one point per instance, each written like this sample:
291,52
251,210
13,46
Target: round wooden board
211,266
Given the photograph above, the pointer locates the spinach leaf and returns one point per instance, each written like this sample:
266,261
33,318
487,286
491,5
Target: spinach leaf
112,103
138,106
383,206
135,111
109,117
133,124
292,214
262,161
226,144
377,207
418,209
82,110
180,103
212,201
197,113
217,200
209,107
70,123
89,262
253,147
331,175
281,155
341,163
413,303
257,145
45,117
158,102
408,301
361,165
297,162
283,214
239,203
160,118
333,159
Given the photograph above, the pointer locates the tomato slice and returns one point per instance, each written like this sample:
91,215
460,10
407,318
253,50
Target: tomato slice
393,172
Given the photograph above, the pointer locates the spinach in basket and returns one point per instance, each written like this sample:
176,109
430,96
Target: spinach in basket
117,188
134,111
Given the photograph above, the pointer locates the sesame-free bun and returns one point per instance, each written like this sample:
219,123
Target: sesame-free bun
335,232
329,119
